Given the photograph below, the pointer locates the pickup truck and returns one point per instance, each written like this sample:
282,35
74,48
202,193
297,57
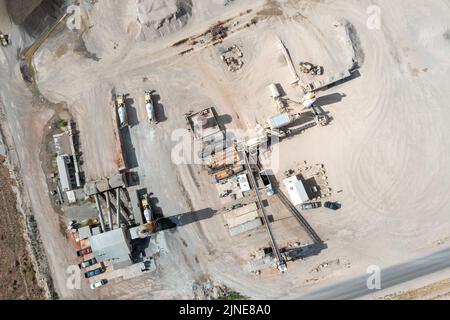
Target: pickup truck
87,263
84,251
267,184
332,205
312,205
94,272
99,284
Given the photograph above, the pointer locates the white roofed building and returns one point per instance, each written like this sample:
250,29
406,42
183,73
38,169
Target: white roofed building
296,190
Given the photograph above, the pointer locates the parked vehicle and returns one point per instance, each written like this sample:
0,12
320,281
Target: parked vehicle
87,263
121,110
94,272
84,251
267,184
149,107
312,205
332,205
97,284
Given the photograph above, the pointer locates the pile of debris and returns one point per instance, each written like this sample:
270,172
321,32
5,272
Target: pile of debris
209,291
232,56
307,67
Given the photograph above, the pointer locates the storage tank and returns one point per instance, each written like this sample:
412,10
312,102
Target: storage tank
274,91
150,111
309,99
148,215
122,115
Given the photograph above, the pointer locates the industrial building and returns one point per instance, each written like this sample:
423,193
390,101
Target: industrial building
64,162
114,245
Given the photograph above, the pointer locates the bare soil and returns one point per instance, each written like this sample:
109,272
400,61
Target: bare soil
18,277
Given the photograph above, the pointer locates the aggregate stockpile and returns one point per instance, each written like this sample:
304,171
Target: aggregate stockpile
135,21
161,17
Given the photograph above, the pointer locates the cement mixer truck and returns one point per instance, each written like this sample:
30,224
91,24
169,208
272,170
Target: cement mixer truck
150,107
146,208
121,111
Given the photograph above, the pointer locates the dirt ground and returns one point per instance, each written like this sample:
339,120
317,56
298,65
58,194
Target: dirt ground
385,150
18,279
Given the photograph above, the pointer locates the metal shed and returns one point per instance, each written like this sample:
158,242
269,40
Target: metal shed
63,161
279,121
296,190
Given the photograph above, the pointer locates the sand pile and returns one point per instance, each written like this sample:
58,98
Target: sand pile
161,17
113,26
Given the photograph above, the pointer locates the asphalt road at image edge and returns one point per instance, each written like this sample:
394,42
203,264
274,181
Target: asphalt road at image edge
357,287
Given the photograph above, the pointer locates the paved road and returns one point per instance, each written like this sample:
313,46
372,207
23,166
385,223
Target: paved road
392,276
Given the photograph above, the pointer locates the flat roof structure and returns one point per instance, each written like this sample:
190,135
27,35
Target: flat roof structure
63,162
117,181
279,121
245,227
235,221
243,182
114,245
96,231
204,123
90,188
296,190
84,232
62,143
71,196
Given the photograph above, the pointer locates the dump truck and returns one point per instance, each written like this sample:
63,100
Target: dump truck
151,115
307,67
121,110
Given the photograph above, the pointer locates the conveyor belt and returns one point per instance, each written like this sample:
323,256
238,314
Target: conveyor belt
314,236
280,259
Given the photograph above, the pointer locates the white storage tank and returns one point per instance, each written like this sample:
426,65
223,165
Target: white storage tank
274,91
150,111
122,115
309,99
